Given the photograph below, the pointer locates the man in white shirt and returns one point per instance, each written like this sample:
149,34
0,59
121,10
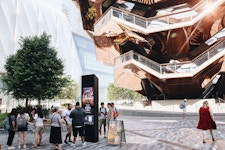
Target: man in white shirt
102,119
68,120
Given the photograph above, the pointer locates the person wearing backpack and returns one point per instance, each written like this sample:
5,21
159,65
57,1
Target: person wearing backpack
12,129
102,119
115,111
22,122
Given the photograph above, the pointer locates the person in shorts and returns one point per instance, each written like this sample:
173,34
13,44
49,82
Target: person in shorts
184,105
23,131
68,121
78,116
102,119
39,127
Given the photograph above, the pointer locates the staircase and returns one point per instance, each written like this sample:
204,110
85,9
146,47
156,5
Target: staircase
159,23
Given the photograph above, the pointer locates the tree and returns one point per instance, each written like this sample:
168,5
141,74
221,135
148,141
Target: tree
91,14
70,91
116,93
34,72
90,18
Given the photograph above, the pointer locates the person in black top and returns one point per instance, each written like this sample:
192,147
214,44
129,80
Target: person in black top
78,116
12,130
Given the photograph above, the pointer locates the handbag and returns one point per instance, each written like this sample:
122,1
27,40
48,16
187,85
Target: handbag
214,125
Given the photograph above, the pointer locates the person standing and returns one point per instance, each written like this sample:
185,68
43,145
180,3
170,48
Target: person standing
39,127
68,120
206,119
33,112
102,119
12,130
23,130
56,126
115,111
109,114
183,106
78,116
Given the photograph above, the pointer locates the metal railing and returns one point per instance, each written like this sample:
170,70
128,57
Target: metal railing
170,21
180,67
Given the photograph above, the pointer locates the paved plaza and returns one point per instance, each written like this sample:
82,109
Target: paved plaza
148,131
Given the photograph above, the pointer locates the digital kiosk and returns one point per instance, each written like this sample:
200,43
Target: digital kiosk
89,102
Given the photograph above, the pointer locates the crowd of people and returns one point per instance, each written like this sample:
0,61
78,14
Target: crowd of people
74,120
105,116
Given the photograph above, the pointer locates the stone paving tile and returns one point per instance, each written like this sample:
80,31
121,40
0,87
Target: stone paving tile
181,133
147,133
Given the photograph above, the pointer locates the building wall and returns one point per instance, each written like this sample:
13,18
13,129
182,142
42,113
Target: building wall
58,18
86,52
29,18
84,46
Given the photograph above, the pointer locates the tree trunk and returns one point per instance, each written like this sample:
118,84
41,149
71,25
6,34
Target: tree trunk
26,102
39,102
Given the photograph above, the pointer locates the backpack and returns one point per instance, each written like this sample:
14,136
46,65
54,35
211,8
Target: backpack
115,113
21,122
6,123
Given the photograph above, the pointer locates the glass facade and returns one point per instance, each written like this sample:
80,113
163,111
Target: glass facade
86,52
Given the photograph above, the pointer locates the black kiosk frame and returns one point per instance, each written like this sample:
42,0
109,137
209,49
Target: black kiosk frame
89,101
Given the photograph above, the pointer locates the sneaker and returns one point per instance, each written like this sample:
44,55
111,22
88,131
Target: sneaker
19,147
70,141
84,144
34,146
11,147
24,146
73,145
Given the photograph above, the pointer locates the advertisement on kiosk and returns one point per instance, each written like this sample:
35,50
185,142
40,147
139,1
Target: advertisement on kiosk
88,104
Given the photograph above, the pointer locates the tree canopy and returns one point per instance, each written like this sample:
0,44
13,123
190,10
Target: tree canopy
116,93
35,71
70,91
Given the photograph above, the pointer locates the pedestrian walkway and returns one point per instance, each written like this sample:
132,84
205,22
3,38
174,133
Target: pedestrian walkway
149,132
